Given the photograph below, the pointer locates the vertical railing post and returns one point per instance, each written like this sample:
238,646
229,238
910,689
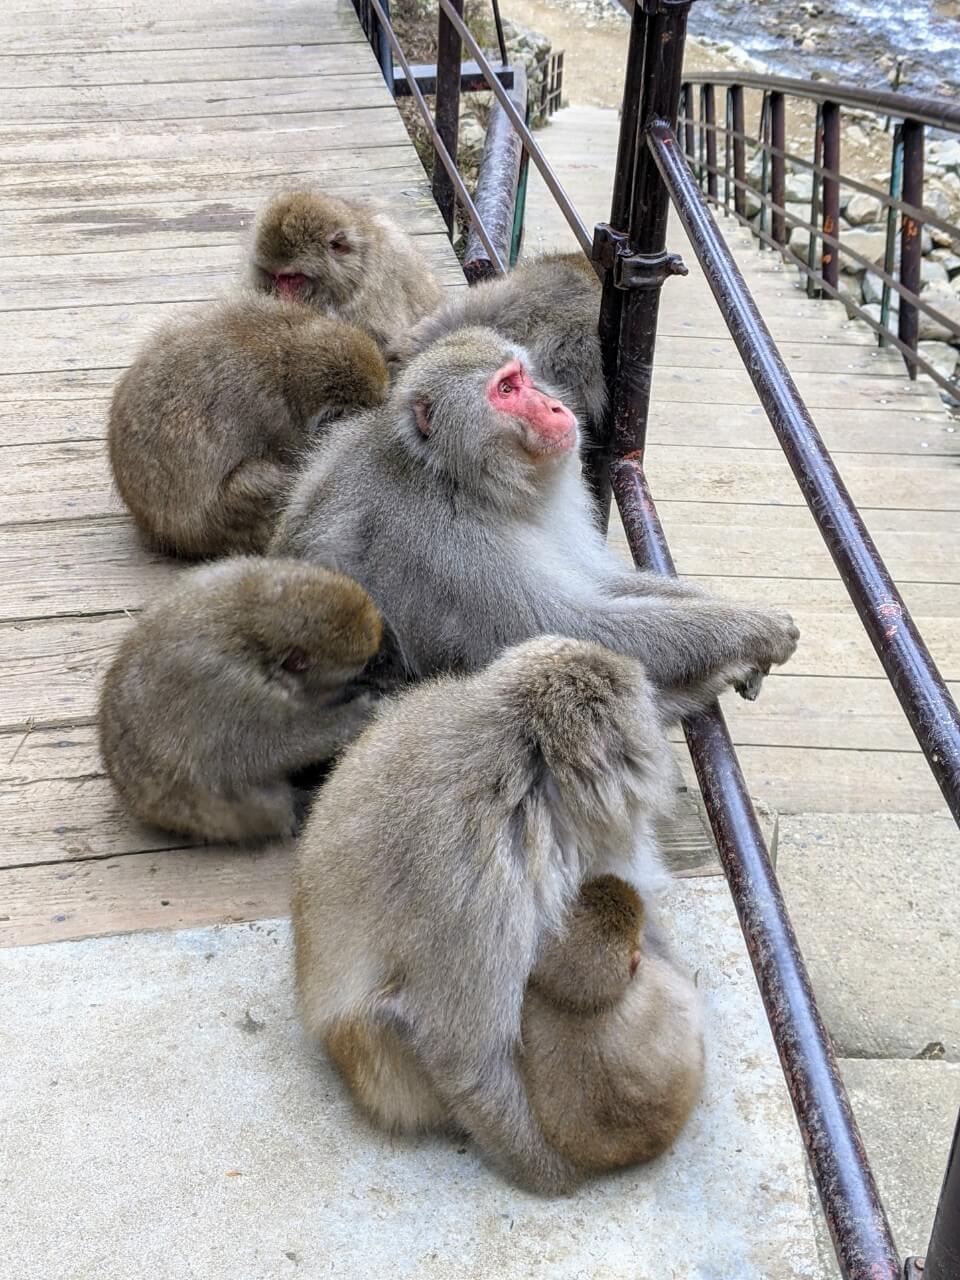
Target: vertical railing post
382,48
739,151
813,289
687,97
911,234
830,255
778,167
943,1255
643,263
889,252
727,151
709,107
447,112
764,134
702,140
596,464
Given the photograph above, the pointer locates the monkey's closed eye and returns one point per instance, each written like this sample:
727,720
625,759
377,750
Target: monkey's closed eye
296,661
339,243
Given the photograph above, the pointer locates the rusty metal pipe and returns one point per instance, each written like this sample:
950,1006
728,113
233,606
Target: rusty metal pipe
447,115
497,182
911,234
829,258
778,168
708,104
943,1253
739,151
918,684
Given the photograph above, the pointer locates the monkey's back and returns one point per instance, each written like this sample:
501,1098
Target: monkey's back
615,1088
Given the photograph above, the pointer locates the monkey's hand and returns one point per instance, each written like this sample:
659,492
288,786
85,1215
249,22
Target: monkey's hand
777,642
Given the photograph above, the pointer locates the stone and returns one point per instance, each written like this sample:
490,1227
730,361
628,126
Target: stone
932,272
856,136
877,916
862,208
799,242
906,1113
945,153
873,290
945,298
799,186
870,241
472,132
161,1104
941,355
752,202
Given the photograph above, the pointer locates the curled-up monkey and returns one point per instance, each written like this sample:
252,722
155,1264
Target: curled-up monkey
344,258
550,306
612,1046
209,424
447,845
249,670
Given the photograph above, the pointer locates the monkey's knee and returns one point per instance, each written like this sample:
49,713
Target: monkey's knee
385,1079
263,813
251,498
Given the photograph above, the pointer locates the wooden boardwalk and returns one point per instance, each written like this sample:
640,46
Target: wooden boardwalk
135,144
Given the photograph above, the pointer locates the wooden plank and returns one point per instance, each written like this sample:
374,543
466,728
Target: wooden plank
838,390
178,66
689,351
138,104
251,136
48,421
67,569
58,481
738,475
804,780
180,889
884,431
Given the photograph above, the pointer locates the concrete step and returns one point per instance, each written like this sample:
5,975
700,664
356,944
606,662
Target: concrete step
875,903
162,1115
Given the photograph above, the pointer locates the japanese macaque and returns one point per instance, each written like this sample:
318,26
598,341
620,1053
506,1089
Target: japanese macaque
344,258
460,507
549,306
208,425
247,671
447,845
612,1047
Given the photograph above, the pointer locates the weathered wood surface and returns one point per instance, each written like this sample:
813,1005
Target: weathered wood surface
137,145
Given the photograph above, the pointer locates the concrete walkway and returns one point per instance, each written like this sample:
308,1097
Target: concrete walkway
867,853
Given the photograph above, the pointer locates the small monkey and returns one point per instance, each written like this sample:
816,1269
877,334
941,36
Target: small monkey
549,306
247,671
209,424
612,1046
448,843
344,258
459,505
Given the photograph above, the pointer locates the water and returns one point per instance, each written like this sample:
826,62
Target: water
855,40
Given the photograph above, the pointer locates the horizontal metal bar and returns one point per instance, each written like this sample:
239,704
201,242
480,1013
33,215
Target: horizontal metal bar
575,222
472,79
926,216
939,113
848,1192
918,684
497,185
439,148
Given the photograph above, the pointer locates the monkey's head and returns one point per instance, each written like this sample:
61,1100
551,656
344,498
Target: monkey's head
472,409
308,630
592,963
311,248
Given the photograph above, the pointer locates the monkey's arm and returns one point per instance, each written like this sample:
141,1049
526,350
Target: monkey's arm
642,583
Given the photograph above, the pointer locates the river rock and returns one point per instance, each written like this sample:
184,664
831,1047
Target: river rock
799,186
871,241
862,208
944,154
799,242
941,355
932,272
946,300
873,290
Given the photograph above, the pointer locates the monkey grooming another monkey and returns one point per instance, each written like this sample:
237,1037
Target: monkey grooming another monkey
549,306
448,843
460,507
248,670
612,1047
344,258
210,422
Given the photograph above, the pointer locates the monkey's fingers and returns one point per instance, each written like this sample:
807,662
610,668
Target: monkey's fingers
749,687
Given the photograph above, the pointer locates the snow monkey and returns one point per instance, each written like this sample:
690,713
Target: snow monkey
210,422
447,845
612,1047
460,507
344,258
550,306
248,670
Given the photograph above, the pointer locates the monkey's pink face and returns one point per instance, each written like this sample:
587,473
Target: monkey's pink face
546,426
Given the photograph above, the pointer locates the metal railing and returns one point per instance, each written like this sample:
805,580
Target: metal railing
629,255
827,250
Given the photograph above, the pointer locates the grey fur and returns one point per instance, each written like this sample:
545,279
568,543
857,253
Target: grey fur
200,720
209,423
445,848
468,545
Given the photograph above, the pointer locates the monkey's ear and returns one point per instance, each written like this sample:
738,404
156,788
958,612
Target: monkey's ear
423,415
339,242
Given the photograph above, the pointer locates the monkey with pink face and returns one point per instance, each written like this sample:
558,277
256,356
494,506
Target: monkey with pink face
460,507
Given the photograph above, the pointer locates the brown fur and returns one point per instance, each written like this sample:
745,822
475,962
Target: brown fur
356,262
612,1049
209,424
247,671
